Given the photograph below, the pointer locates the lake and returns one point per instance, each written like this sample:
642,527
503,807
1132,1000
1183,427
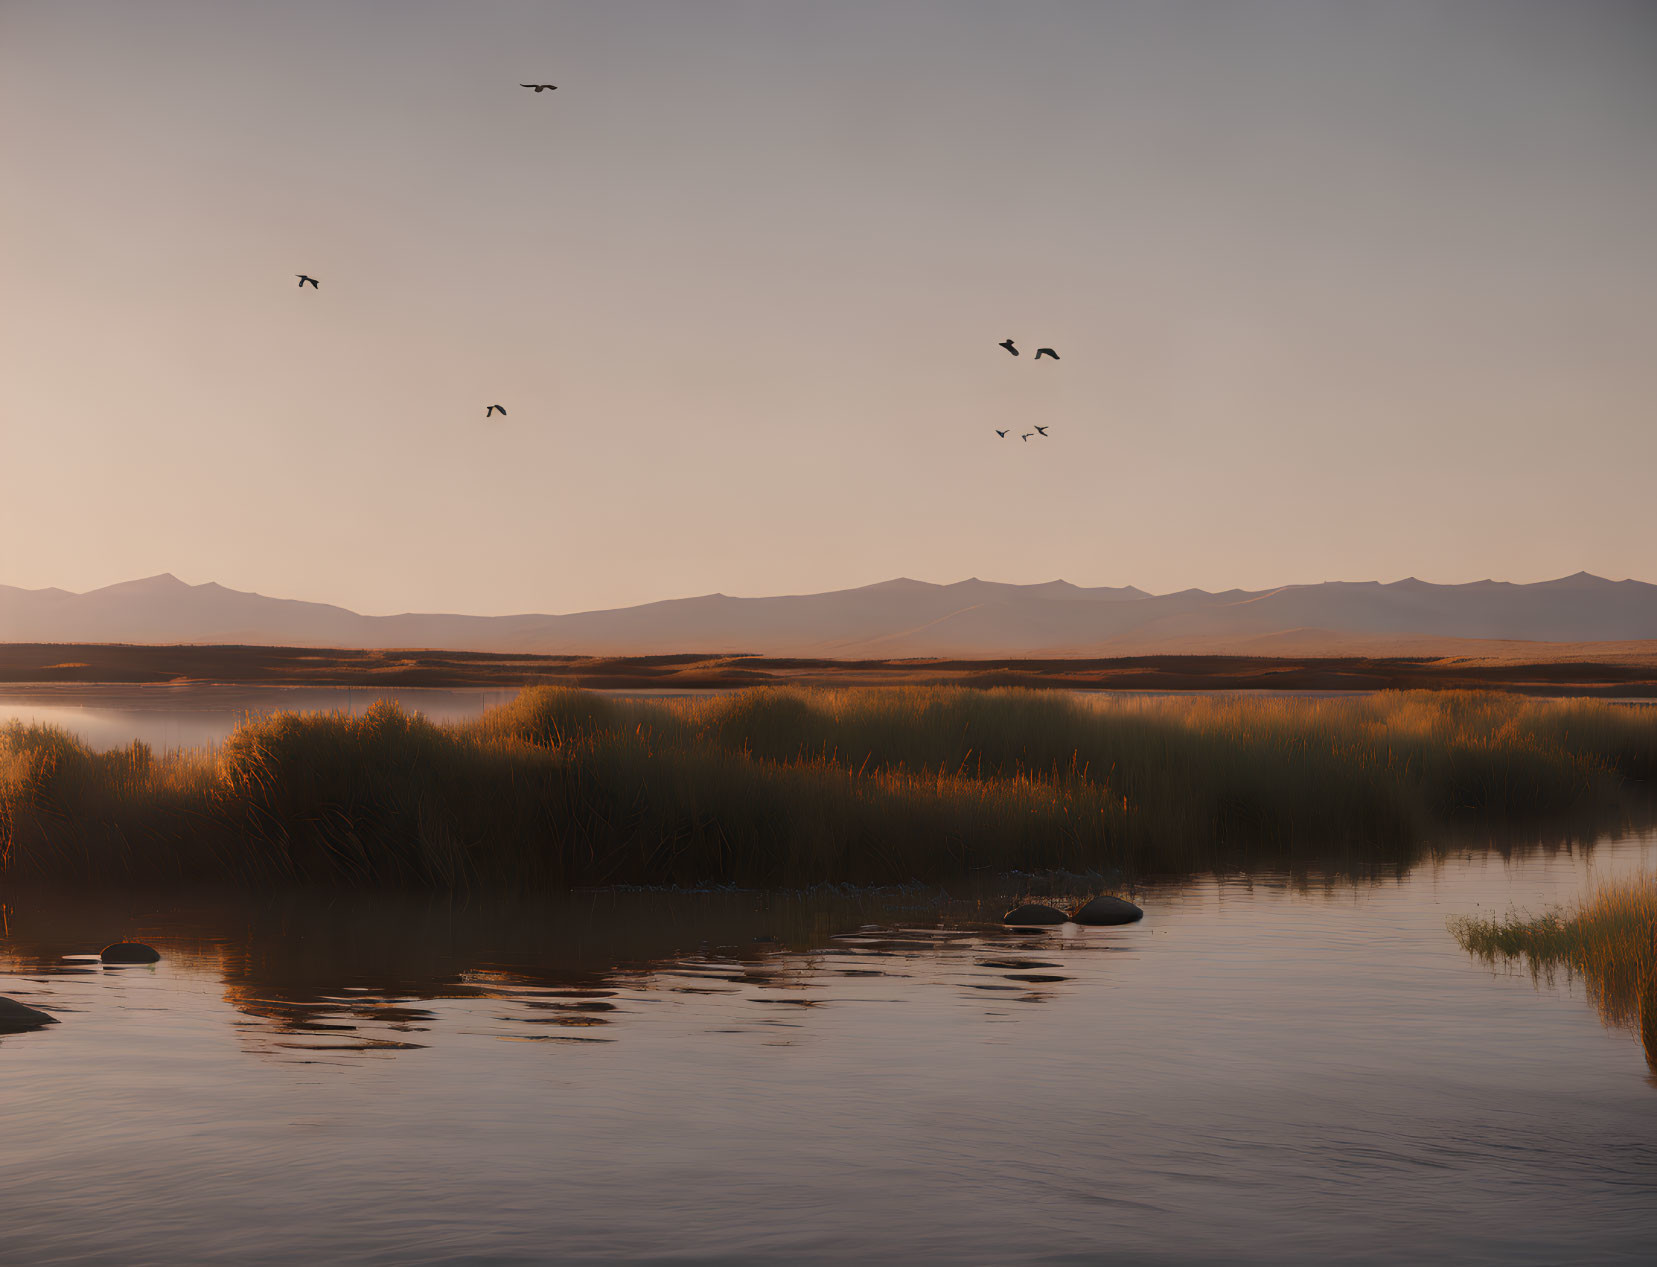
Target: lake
1263,1070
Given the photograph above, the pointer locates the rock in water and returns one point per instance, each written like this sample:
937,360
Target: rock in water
1107,910
17,1017
1035,913
130,952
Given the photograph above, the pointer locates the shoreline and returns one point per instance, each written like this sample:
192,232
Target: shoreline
58,670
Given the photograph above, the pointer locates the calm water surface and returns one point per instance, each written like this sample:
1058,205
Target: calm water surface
199,716
1255,1073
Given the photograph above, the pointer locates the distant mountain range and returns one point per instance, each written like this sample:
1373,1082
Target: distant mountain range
900,618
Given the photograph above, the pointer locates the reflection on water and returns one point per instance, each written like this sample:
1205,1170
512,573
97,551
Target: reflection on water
1626,998
1607,940
1259,1071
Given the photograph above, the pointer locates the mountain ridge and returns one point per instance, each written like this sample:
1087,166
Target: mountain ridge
901,617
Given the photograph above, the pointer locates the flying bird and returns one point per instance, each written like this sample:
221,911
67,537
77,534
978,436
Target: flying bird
1008,344
540,87
1041,352
489,412
303,278
1043,430
1001,433
1027,435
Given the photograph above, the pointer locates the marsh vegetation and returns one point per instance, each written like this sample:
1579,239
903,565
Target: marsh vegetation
1608,940
785,787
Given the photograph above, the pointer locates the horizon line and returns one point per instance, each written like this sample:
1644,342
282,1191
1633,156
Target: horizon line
171,577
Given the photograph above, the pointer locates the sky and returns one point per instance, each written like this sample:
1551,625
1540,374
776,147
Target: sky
1341,292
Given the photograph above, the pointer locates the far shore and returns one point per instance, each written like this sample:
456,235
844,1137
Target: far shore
1604,670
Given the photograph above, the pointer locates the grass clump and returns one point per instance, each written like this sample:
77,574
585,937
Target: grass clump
772,786
1608,940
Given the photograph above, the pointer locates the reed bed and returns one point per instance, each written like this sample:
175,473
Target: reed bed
1608,941
785,787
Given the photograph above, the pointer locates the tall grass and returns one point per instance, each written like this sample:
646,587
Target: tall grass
1608,940
563,787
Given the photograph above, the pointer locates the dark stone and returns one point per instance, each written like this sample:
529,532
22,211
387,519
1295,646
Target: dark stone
130,952
1107,910
1035,913
17,1017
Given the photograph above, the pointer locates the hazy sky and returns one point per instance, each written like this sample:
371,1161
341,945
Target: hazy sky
1343,291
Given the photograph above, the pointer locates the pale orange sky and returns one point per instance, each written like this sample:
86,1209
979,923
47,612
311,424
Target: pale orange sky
1343,292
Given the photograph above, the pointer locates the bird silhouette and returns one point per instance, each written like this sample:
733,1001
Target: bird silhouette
303,279
1008,344
1043,430
1001,433
489,412
1027,435
1041,352
540,87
